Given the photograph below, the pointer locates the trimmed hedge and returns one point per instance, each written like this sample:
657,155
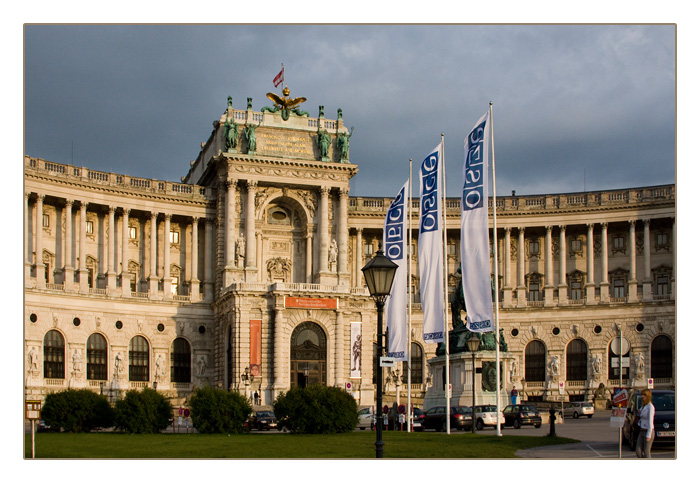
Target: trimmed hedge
316,409
146,411
215,410
77,411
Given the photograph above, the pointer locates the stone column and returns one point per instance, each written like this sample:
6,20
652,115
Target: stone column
82,237
563,292
167,281
68,268
522,289
230,235
259,255
590,274
280,355
111,274
359,255
339,349
194,254
548,269
604,283
309,257
153,257
673,276
646,281
26,256
507,282
323,230
39,246
250,246
343,235
632,282
126,286
209,254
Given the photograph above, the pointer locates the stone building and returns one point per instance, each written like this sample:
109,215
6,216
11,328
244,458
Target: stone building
246,275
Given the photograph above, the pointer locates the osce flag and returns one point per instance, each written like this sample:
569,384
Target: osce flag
430,249
474,250
395,250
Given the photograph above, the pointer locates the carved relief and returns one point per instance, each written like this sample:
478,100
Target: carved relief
279,269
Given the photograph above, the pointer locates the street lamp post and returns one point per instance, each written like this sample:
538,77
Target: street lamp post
379,274
473,345
247,379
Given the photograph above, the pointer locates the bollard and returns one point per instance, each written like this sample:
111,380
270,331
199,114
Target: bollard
552,418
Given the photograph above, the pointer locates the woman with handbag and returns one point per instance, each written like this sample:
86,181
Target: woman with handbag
646,424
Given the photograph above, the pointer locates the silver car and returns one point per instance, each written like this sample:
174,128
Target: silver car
578,409
486,415
365,418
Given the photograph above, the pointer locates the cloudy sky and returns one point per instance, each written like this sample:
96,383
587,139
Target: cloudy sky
575,106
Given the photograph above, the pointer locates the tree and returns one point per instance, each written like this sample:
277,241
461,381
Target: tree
218,411
145,411
77,411
316,410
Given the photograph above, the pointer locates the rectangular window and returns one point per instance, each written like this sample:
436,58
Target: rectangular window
132,281
619,288
369,250
452,249
534,248
619,243
175,283
45,221
662,285
175,237
576,245
533,292
576,292
132,233
89,228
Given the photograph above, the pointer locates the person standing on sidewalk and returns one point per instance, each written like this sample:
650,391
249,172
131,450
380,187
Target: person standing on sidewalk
646,424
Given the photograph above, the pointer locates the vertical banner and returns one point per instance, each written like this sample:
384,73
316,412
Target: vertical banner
430,247
255,347
395,250
476,272
356,350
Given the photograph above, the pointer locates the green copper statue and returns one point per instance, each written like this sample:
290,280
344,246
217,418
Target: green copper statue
323,140
249,133
343,143
231,134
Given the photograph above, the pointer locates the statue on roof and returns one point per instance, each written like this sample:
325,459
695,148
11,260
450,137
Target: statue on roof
285,104
231,134
323,140
343,143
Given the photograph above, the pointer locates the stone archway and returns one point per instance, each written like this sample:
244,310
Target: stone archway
308,355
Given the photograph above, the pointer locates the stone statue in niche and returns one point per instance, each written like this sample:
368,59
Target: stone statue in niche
333,254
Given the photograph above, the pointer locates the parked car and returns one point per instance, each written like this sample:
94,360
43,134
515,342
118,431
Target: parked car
518,415
486,415
460,418
264,420
578,409
365,418
664,402
418,419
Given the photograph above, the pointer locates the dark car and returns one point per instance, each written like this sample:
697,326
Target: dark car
264,420
664,402
518,415
460,418
418,419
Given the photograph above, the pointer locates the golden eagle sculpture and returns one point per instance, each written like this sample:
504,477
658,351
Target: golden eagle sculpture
285,104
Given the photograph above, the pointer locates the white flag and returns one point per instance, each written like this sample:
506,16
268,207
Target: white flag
430,249
476,272
395,250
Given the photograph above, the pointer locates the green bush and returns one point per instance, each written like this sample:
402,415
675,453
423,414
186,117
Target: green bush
145,411
218,411
77,411
316,410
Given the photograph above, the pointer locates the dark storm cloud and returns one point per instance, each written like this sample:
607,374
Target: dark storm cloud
572,104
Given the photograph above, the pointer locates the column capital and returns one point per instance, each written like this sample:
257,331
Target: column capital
111,209
167,216
590,226
231,183
604,225
562,227
251,184
343,192
83,204
548,228
68,203
40,197
195,220
324,190
507,229
646,222
126,211
632,222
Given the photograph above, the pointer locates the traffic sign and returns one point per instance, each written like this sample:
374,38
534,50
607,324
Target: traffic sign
615,362
561,387
187,412
615,346
386,362
402,409
650,383
620,396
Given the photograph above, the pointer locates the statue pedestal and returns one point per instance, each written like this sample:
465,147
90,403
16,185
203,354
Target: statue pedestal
600,404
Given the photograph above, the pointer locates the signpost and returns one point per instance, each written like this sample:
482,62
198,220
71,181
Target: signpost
650,383
33,412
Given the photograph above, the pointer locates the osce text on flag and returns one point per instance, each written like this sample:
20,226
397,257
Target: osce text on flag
476,272
395,247
430,248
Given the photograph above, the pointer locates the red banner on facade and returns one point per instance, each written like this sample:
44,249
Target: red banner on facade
310,303
255,347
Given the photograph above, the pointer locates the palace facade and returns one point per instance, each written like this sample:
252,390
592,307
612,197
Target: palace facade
246,275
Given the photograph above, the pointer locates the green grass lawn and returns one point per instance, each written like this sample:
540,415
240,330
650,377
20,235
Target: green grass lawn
282,445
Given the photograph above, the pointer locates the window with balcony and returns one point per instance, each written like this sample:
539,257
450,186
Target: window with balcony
54,355
96,357
577,361
138,359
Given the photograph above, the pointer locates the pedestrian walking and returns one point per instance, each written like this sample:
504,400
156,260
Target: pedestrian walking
514,396
646,426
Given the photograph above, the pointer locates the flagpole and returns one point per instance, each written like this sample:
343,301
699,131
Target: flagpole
495,277
408,288
444,306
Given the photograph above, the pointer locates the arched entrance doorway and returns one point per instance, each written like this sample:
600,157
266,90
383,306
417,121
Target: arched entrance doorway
308,355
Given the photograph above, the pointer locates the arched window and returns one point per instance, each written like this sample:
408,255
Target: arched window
535,361
416,365
138,359
576,361
229,359
661,357
54,355
97,357
308,355
180,361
